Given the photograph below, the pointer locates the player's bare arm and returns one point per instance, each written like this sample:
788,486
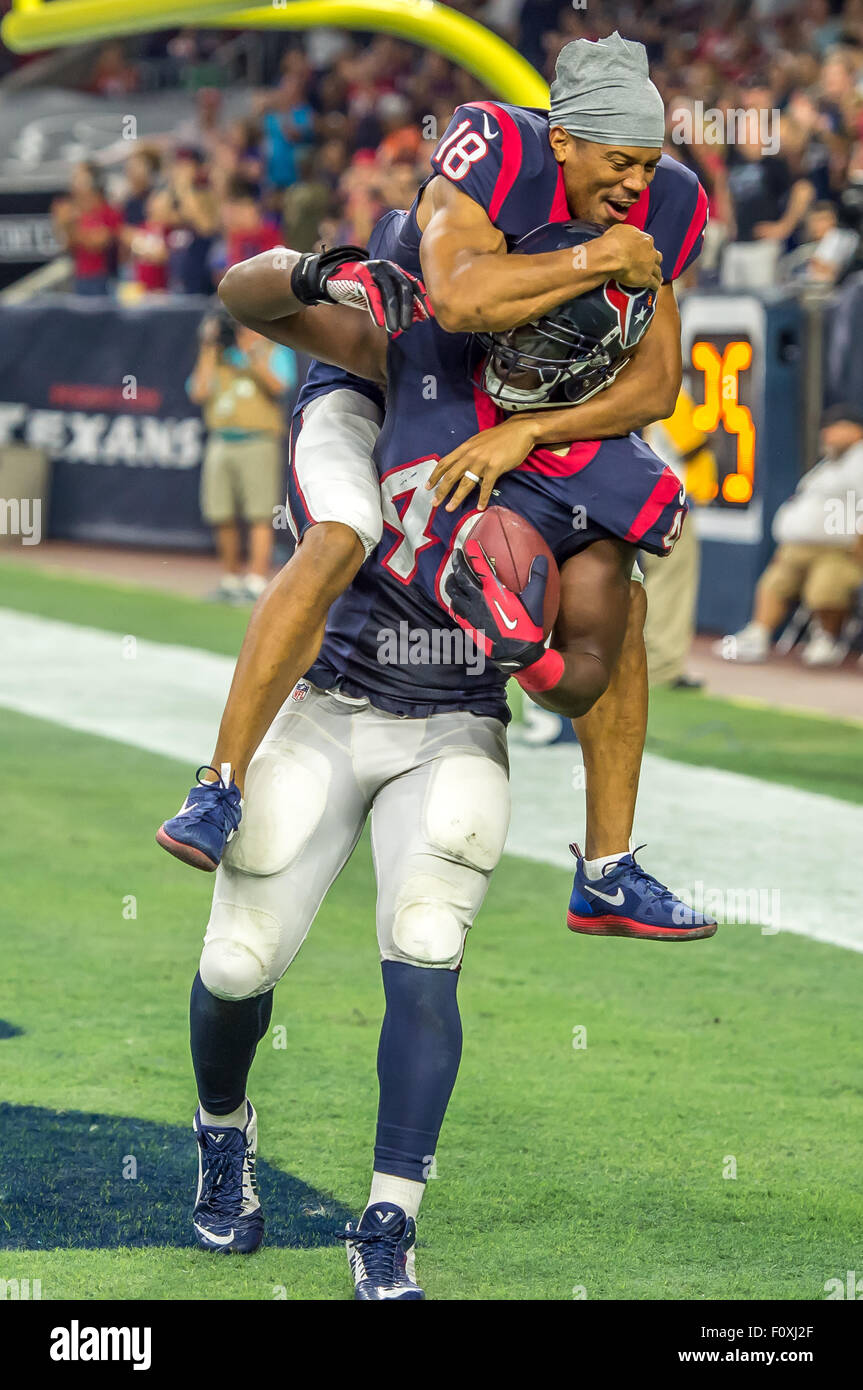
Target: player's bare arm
646,390
258,293
474,285
591,622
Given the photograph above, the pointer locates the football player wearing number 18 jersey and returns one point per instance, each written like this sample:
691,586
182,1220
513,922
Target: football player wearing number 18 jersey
498,171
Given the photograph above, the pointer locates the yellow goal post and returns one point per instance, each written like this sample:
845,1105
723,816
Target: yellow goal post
38,24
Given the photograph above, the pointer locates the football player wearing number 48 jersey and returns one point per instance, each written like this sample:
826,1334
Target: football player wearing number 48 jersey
498,171
419,748
415,740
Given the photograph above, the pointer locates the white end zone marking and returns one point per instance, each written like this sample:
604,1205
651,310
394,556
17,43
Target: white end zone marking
702,824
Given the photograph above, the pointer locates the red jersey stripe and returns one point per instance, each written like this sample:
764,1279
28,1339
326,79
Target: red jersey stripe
541,460
510,155
292,446
637,215
667,488
560,207
696,227
555,465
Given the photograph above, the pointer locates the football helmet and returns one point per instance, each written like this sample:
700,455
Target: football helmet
573,351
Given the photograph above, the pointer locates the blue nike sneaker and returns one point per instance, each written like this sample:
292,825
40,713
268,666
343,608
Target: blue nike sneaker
628,901
227,1215
209,817
381,1254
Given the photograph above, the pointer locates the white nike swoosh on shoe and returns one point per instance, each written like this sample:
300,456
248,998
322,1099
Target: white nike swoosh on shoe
217,1240
616,898
510,624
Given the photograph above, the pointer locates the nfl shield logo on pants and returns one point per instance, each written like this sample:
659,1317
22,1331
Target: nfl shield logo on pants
300,690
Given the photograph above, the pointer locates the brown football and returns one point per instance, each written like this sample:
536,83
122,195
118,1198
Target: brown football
512,545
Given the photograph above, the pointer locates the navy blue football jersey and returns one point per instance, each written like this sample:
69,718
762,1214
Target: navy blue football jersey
390,637
499,156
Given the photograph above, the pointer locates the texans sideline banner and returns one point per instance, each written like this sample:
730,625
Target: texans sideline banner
101,388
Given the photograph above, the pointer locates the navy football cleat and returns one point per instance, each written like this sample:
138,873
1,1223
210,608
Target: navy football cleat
381,1254
209,817
628,901
227,1215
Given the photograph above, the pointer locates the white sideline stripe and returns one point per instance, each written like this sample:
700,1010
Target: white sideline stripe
728,831
721,829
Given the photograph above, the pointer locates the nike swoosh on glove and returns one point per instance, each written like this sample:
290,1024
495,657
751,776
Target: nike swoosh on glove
506,626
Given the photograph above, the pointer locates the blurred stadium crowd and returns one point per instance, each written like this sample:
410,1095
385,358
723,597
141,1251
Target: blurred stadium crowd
344,124
303,138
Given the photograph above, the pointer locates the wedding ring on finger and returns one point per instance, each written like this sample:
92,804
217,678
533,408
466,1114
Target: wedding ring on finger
474,479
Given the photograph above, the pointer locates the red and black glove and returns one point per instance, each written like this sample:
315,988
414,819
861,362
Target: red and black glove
506,626
393,297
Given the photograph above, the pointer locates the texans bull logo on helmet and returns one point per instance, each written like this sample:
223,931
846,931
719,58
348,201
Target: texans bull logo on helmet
573,351
634,310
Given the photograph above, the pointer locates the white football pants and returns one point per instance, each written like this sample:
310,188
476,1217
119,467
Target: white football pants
438,793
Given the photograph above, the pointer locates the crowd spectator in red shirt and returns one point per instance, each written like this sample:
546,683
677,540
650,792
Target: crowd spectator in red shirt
88,226
149,243
247,233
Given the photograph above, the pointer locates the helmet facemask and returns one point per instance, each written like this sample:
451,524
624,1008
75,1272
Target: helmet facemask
545,364
570,352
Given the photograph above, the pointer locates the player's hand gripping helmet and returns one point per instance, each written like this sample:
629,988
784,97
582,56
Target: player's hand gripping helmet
572,352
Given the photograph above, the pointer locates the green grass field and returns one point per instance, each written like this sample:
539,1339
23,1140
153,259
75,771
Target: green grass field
607,1168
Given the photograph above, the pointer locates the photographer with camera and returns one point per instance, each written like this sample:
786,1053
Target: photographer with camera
239,381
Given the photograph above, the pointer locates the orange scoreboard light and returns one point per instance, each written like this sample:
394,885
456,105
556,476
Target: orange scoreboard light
742,363
724,416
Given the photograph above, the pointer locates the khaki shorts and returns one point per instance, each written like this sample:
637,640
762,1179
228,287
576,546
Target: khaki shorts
241,479
823,576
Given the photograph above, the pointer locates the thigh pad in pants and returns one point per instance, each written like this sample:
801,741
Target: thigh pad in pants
438,833
302,817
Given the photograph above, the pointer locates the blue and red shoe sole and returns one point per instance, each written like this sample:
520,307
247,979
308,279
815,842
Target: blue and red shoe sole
609,925
187,853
